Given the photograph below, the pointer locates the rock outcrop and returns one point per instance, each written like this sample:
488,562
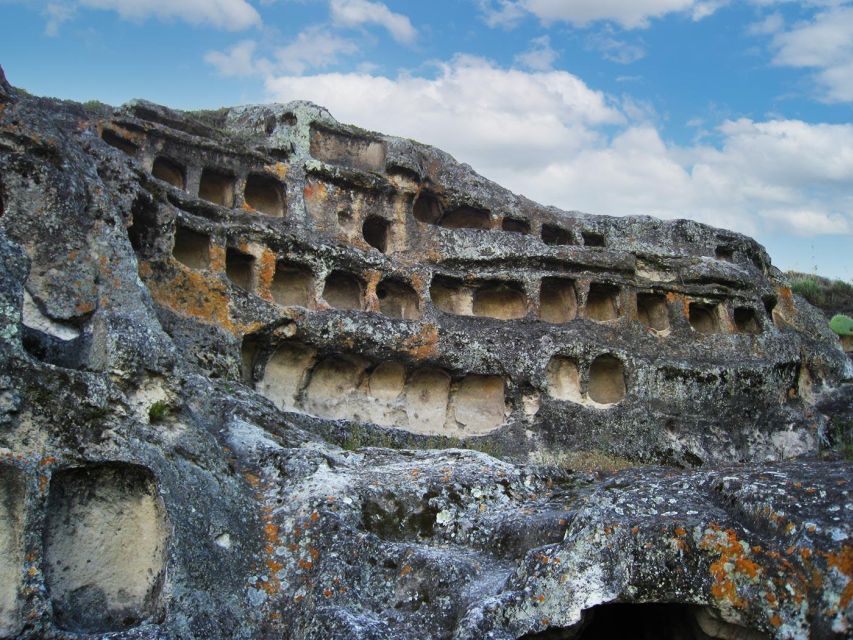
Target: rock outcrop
267,375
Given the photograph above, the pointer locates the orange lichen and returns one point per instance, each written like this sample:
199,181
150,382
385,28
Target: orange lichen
731,567
315,191
194,294
843,563
423,344
266,273
279,169
406,570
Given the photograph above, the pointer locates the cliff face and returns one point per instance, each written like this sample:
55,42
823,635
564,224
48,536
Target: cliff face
205,319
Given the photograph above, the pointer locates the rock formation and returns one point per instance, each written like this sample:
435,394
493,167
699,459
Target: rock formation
267,375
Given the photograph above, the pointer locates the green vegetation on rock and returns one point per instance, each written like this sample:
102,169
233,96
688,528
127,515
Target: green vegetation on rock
830,296
842,325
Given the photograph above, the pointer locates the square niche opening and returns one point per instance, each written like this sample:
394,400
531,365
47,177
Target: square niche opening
169,171
554,235
557,300
291,285
191,248
746,320
652,311
515,225
264,194
375,232
602,302
704,318
240,268
217,187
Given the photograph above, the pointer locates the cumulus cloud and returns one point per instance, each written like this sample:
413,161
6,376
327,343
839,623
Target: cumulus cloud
825,44
471,107
540,56
232,15
615,49
501,13
548,135
630,14
313,48
56,15
355,13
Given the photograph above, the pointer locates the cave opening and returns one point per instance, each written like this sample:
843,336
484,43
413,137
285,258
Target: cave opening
606,380
169,171
746,321
240,268
426,208
557,300
398,300
216,187
118,142
191,248
704,318
375,232
343,291
652,311
501,300
515,225
264,194
450,295
554,235
722,252
291,285
592,239
602,302
466,217
649,621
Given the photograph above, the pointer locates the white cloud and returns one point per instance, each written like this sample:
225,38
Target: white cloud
313,48
825,44
630,14
501,13
238,60
232,15
540,56
769,25
56,15
471,108
615,49
551,137
355,13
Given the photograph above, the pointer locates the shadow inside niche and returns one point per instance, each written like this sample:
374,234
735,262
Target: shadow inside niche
652,621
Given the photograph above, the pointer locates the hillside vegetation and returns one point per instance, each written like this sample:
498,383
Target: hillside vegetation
833,297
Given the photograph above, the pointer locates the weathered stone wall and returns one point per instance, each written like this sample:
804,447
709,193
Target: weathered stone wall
193,305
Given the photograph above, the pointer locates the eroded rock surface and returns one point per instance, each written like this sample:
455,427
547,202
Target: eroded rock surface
266,375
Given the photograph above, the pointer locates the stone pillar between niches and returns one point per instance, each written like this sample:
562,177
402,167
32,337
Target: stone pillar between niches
193,179
12,494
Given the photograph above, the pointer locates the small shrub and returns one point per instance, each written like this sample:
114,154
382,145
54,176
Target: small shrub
809,289
158,411
842,325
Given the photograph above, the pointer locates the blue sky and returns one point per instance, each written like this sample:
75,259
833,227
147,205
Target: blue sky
738,113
